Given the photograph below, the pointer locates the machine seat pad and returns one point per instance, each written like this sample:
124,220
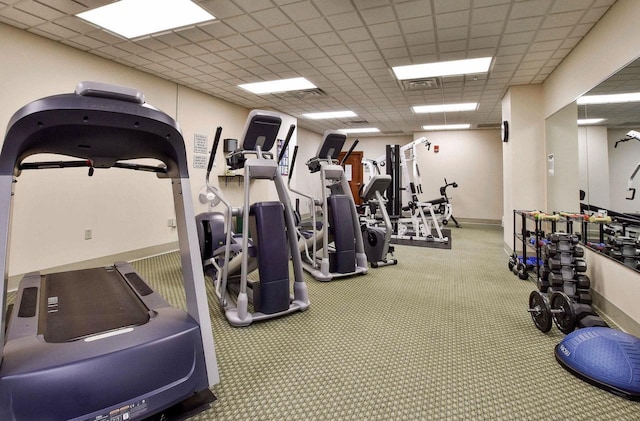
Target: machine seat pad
85,302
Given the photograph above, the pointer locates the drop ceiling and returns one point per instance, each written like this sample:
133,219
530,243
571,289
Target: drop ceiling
345,47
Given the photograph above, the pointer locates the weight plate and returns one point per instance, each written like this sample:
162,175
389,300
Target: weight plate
562,311
540,311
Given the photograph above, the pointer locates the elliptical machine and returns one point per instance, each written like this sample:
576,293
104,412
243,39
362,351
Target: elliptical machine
228,257
335,248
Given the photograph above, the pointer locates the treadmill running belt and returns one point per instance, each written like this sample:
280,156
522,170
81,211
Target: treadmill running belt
80,303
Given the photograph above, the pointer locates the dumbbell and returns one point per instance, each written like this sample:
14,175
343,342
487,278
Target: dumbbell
561,236
579,265
559,309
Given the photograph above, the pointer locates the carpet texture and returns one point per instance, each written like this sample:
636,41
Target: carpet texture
445,334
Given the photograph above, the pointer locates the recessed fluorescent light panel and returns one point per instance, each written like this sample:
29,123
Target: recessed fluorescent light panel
275,86
136,18
609,99
446,127
360,130
443,68
589,121
330,114
445,108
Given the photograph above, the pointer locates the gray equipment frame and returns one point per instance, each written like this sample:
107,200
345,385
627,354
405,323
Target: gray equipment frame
260,165
93,114
332,177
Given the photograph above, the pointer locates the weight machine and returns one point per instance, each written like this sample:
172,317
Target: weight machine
423,217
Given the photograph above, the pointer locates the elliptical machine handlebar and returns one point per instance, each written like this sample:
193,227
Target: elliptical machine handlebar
214,148
286,142
346,156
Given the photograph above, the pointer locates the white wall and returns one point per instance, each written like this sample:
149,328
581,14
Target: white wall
594,165
126,210
524,155
623,160
473,159
605,49
562,152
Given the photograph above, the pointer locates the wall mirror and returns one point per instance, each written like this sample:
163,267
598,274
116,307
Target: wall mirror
609,165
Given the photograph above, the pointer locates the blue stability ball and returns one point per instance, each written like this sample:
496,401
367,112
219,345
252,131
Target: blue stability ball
605,357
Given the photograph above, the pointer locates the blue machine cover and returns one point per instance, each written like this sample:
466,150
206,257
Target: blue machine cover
604,357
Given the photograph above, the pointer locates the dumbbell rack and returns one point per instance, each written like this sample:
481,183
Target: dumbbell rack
522,238
563,289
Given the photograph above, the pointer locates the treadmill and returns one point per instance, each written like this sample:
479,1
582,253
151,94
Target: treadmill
99,344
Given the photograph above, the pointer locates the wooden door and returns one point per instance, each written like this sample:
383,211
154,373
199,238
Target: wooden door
353,170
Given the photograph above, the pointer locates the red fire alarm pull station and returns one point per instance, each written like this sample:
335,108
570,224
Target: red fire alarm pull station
436,148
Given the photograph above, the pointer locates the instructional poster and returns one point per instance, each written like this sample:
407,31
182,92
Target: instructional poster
200,143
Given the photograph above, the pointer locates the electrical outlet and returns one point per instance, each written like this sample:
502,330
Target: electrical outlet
88,234
171,222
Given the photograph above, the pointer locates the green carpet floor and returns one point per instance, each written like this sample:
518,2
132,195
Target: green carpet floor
443,335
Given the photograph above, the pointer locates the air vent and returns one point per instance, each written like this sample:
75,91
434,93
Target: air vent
303,94
356,122
488,126
420,84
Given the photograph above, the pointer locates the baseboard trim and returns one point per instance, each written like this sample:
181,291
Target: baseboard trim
620,318
127,256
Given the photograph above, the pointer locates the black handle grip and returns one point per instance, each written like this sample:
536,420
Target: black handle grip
286,142
346,156
214,148
293,161
633,193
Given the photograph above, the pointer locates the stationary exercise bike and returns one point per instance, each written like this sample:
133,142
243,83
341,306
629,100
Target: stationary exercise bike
443,206
376,233
229,258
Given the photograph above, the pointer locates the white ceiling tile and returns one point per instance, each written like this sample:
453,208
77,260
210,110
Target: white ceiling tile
231,55
452,46
567,5
51,29
553,34
271,17
529,8
390,42
87,42
336,50
221,9
451,20
445,6
285,32
74,24
453,34
301,11
299,43
169,38
489,14
385,30
484,42
414,25
218,29
517,38
329,38
523,24
236,41
413,9
315,26
243,23
378,15
214,45
333,7
261,36
21,17
545,46
345,20
252,51
253,5
486,29
562,19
